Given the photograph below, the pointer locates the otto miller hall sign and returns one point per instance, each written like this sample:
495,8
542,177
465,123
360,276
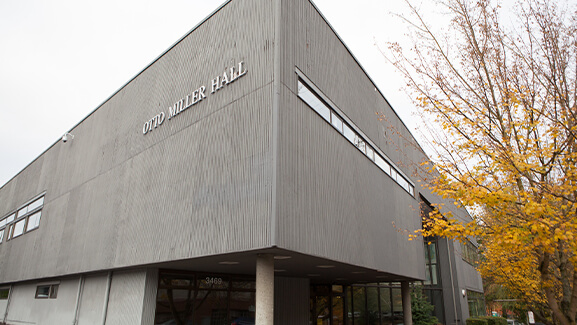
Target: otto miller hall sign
229,76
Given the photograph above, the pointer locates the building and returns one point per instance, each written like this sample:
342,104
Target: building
243,174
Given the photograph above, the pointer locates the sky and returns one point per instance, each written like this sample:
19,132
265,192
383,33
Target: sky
60,59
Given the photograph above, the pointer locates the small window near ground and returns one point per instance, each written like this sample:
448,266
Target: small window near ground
4,293
47,291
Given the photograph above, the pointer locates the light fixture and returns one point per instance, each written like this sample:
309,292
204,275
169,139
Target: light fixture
464,292
282,257
358,272
314,274
325,266
228,263
67,136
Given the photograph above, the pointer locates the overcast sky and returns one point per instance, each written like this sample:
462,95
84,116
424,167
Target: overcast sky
60,59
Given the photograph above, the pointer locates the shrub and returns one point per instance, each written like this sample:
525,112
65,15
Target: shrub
477,321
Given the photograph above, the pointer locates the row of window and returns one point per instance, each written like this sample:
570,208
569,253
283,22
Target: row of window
25,219
330,115
470,253
47,291
375,304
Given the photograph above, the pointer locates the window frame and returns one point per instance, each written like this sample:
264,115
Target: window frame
32,208
7,290
314,99
52,291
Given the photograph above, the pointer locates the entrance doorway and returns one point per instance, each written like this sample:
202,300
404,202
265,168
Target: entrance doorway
370,304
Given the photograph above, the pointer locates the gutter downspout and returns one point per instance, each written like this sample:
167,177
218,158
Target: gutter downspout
275,117
78,296
106,297
8,303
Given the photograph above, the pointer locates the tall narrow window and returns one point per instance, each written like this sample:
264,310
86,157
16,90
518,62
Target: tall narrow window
431,262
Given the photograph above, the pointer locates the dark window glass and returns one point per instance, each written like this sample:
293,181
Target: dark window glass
242,307
476,302
43,291
210,282
210,301
359,305
386,307
4,293
349,301
397,306
53,291
435,297
373,315
321,313
338,308
431,262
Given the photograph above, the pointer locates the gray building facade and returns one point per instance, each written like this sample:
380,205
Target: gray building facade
241,177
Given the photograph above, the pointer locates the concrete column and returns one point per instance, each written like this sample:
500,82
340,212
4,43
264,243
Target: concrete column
406,294
265,289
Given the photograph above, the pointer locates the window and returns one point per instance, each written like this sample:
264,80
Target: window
476,302
217,299
33,221
49,291
4,293
314,102
27,218
370,153
431,262
349,133
18,228
336,122
3,228
383,164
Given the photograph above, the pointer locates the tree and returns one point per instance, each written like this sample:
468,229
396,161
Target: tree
421,308
499,299
505,101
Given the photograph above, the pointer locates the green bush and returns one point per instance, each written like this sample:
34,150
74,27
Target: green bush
495,320
477,321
